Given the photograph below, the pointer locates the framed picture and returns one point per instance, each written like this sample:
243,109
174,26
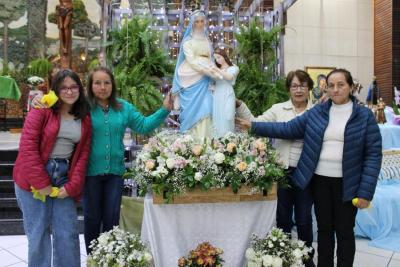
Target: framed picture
315,71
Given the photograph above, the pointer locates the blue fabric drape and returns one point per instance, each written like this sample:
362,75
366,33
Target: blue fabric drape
380,222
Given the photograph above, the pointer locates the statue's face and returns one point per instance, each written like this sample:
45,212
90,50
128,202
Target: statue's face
199,23
219,59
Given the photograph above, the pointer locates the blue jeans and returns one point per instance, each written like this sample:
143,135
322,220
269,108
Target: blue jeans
101,205
301,202
58,171
56,217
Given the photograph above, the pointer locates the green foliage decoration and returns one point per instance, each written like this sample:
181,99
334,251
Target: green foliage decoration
9,11
256,84
139,63
39,67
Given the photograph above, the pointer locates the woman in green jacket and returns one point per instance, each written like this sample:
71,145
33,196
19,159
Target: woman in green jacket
104,183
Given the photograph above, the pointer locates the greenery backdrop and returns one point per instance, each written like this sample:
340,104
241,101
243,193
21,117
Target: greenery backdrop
257,84
139,64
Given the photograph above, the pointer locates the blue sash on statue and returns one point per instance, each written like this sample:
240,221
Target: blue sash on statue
195,103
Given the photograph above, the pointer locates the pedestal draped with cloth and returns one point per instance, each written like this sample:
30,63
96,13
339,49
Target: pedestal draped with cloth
191,85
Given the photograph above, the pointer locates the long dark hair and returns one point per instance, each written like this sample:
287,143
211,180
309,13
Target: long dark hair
113,97
81,107
222,53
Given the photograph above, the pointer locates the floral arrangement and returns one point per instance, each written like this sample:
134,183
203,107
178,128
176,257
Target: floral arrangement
118,248
276,250
35,80
173,163
204,255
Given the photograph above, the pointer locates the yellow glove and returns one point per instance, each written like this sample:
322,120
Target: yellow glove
37,195
49,99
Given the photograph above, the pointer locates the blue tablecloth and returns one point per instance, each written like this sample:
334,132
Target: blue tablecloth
381,222
390,136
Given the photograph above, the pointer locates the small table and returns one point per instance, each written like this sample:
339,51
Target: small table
8,90
172,230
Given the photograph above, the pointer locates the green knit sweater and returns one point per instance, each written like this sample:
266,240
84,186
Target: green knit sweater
107,152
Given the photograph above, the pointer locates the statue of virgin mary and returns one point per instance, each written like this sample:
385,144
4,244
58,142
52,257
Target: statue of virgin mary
191,84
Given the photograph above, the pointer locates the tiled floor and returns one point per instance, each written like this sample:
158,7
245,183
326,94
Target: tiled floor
14,249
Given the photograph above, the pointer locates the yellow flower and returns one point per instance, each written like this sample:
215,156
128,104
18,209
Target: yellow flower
150,165
197,149
230,147
242,166
260,145
181,262
200,261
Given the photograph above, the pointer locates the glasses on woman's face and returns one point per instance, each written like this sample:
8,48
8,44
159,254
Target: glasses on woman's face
301,87
73,88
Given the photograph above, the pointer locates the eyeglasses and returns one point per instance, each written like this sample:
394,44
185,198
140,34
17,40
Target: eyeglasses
295,87
73,88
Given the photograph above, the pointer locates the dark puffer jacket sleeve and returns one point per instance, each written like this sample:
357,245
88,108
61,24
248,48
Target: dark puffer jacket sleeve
293,129
372,159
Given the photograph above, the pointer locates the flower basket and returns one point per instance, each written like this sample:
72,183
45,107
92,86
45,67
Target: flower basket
215,195
205,255
276,250
119,248
179,169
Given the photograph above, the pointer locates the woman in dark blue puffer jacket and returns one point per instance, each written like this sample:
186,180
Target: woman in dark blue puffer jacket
341,158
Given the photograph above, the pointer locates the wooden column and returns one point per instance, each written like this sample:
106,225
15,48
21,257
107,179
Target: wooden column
387,47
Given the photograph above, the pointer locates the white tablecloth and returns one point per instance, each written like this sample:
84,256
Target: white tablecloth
173,230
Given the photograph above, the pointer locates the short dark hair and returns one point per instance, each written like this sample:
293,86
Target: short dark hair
113,97
346,73
303,76
81,107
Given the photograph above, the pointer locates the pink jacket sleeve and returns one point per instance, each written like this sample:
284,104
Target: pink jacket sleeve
29,149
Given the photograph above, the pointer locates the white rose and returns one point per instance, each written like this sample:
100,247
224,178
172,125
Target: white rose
267,260
170,163
254,264
282,244
297,253
103,240
276,262
250,254
198,176
147,257
219,158
270,245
